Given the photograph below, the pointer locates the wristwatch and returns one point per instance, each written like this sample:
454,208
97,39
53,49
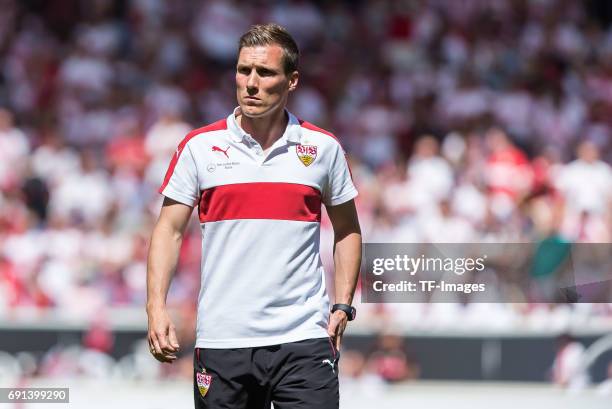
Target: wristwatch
349,310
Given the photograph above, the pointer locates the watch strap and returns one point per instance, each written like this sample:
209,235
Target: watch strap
350,311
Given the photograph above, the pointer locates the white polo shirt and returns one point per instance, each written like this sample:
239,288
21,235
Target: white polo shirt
262,279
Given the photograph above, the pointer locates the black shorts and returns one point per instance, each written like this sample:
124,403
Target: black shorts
294,375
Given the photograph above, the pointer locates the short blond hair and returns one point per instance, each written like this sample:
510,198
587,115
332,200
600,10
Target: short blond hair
267,34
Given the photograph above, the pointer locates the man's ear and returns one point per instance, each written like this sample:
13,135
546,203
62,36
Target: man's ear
293,80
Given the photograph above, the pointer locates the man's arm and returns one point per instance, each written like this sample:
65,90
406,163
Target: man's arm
162,260
347,261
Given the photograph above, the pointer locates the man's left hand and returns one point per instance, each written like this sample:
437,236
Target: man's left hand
336,326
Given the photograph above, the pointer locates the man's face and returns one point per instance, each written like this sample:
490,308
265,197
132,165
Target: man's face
261,83
588,152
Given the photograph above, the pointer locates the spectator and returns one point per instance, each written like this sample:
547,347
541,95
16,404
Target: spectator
14,148
566,370
390,360
589,203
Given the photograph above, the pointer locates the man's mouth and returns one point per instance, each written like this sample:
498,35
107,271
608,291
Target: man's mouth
250,101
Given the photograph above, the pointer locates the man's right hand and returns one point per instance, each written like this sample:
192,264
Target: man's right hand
163,256
163,343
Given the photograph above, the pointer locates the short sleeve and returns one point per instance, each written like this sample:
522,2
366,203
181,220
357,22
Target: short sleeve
181,180
340,188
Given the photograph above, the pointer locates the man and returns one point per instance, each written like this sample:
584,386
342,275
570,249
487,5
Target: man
264,329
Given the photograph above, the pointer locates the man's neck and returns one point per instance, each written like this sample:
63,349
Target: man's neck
265,130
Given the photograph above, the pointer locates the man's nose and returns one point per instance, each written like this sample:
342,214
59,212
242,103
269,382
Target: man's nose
252,83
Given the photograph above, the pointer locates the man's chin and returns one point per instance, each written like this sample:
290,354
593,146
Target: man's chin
254,111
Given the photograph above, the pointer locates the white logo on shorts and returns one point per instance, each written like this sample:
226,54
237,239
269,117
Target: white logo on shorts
330,363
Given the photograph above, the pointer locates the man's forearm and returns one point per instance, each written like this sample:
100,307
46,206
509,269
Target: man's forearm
347,261
162,260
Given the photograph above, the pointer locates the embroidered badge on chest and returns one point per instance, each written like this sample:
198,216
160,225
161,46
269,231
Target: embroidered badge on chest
203,381
306,153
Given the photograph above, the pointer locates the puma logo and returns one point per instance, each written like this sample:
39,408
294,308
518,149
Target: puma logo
330,363
217,149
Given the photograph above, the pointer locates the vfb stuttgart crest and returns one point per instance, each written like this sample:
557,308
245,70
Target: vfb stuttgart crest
306,153
203,380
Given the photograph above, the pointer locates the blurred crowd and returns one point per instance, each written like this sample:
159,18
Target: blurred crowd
465,121
386,361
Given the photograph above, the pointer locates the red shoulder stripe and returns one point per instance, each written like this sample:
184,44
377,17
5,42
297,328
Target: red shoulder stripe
312,127
215,126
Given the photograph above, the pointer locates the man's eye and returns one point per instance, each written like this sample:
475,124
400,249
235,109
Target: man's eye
265,73
244,71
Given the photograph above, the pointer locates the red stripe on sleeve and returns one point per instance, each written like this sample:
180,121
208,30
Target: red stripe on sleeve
216,126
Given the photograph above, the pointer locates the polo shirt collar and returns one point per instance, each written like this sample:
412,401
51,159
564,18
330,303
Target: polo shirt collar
293,131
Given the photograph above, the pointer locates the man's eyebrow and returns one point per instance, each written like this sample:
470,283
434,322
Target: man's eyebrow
257,67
